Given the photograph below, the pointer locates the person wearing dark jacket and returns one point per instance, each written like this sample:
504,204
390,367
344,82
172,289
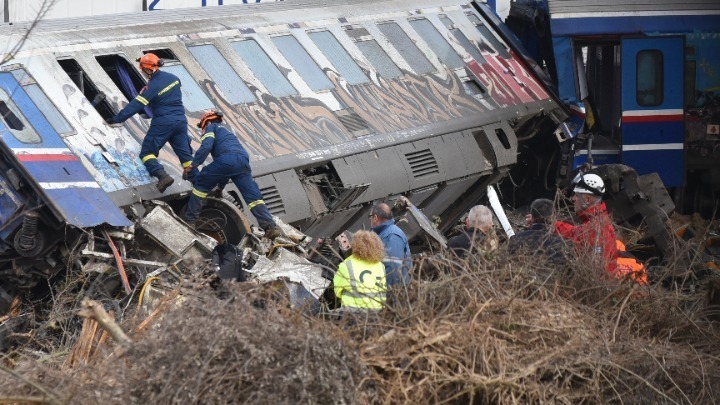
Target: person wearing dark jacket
230,162
478,235
539,238
397,251
163,96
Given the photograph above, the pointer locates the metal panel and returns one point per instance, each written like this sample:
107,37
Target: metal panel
473,157
604,6
383,169
291,192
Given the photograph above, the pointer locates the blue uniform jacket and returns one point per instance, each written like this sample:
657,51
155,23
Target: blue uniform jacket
397,253
162,94
539,240
218,141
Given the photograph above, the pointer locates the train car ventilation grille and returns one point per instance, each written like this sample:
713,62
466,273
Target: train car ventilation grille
272,199
422,163
353,123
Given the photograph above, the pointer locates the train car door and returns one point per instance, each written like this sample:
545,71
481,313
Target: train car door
653,128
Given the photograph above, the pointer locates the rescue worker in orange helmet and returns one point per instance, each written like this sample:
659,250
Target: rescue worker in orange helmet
230,162
164,98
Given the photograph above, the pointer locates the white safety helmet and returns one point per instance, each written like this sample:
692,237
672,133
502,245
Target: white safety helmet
590,184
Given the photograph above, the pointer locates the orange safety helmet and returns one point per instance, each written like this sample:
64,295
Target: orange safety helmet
150,61
211,115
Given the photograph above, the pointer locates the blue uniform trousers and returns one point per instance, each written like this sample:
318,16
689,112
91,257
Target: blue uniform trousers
235,167
161,132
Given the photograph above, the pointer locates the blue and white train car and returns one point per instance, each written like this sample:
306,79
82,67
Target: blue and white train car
645,78
339,104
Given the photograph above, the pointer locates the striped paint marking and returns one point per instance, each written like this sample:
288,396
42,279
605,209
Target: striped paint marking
68,184
671,115
45,154
653,146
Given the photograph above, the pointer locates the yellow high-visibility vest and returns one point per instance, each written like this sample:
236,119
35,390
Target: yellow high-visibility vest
360,284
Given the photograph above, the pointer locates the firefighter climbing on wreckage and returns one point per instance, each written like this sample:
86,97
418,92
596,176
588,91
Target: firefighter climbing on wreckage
230,162
169,124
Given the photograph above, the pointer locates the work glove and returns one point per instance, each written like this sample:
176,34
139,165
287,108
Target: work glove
190,173
111,121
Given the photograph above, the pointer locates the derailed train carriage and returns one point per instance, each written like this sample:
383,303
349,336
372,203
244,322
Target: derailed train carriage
338,106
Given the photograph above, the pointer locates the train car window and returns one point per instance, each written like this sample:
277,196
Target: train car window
437,43
649,78
123,74
463,40
304,65
13,119
498,46
163,53
263,68
373,52
338,56
43,103
193,97
46,107
224,76
406,48
690,76
86,86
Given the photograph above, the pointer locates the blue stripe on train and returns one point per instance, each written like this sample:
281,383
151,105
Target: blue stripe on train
633,24
53,171
79,207
645,162
639,133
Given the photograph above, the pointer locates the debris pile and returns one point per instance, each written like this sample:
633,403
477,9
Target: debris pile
497,329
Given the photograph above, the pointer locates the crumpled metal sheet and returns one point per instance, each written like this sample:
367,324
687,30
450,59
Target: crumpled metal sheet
167,230
292,267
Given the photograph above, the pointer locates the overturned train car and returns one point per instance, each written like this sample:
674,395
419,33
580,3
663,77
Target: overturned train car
338,106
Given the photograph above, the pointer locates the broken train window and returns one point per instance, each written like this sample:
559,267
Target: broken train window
471,49
13,119
43,103
123,74
488,36
86,86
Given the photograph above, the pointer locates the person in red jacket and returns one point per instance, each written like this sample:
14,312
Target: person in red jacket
594,239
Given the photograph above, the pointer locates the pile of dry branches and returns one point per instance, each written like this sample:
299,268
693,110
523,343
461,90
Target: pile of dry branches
491,329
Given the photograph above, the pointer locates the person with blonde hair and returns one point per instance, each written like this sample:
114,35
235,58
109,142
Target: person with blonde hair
359,282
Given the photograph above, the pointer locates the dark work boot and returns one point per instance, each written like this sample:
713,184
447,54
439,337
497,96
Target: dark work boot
272,232
164,180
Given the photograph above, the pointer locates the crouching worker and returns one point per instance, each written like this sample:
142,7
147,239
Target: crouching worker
164,98
230,161
359,282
